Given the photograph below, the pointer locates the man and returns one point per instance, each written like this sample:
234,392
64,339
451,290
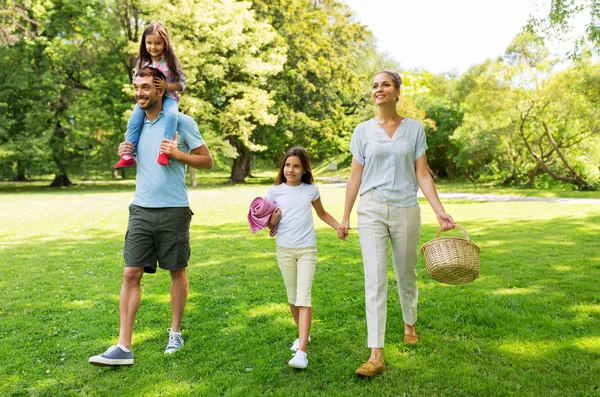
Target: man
159,217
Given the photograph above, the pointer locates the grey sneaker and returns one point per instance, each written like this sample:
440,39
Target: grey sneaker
113,356
175,342
299,360
296,344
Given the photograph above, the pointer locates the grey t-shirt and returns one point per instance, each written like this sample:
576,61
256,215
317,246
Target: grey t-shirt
389,163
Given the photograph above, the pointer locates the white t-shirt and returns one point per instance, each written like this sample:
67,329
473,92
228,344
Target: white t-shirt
296,227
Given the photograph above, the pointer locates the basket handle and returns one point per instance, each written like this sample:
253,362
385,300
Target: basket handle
461,228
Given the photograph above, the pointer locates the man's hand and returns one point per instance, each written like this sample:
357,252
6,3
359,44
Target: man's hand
169,147
125,148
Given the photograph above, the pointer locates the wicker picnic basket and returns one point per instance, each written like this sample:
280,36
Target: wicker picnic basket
452,260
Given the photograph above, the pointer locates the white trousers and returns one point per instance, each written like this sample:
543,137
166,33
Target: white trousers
379,223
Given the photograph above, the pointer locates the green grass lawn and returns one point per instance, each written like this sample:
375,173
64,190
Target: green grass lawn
530,325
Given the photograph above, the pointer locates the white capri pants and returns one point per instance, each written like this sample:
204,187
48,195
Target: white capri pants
297,267
379,222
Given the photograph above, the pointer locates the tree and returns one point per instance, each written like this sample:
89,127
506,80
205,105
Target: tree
227,55
560,20
437,96
522,118
321,89
60,88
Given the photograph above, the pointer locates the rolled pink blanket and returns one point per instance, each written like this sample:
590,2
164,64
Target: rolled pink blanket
259,214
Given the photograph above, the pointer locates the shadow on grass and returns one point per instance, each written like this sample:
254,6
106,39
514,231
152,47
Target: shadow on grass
530,322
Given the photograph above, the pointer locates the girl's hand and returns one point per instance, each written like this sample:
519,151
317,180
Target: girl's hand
446,221
343,229
275,217
160,83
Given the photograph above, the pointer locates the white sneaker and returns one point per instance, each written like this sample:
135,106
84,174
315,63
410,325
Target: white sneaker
299,360
296,344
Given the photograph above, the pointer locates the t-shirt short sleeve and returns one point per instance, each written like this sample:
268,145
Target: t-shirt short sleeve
270,194
188,130
314,193
421,142
356,147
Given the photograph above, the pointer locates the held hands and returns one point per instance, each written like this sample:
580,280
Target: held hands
169,147
343,229
160,83
445,220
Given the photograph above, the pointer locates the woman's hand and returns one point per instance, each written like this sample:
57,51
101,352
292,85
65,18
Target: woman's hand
445,220
343,229
275,217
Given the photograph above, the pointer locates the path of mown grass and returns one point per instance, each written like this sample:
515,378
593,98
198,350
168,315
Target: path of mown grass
529,325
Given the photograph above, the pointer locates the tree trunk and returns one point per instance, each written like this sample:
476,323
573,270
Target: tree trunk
20,175
193,182
574,179
532,175
577,179
241,164
433,174
61,180
58,145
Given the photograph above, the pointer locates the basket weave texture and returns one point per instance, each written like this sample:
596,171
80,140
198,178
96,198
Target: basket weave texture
452,260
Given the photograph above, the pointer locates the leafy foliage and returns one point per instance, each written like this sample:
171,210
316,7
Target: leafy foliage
321,86
520,119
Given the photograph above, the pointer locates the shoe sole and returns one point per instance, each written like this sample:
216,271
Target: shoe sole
171,351
110,363
369,374
297,366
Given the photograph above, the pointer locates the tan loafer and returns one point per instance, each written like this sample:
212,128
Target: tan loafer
369,369
410,339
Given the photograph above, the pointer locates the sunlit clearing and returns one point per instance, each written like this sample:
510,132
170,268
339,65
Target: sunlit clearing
160,298
590,343
269,310
491,243
561,268
516,291
586,308
77,304
141,337
528,349
175,387
555,243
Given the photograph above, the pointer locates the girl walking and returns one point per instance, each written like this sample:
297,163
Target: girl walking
156,51
294,193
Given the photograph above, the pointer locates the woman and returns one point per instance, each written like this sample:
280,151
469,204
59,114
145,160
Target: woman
388,166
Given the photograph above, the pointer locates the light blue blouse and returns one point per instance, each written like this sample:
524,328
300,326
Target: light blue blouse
389,163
